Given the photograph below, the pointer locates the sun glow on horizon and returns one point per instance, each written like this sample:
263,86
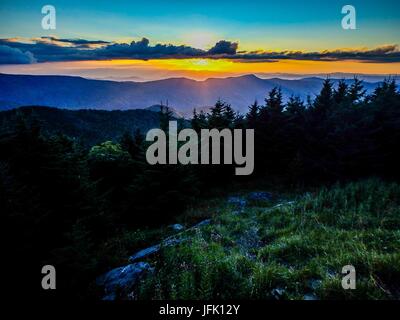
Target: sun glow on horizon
212,65
197,69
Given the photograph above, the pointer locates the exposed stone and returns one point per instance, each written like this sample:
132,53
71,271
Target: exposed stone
202,223
119,282
154,249
177,227
260,196
278,293
144,253
279,205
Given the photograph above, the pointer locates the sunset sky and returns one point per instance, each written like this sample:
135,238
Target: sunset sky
104,39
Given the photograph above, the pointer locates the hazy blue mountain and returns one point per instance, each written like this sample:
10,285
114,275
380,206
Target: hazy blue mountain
334,75
183,94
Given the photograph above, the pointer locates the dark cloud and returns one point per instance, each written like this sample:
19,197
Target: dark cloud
142,50
224,47
82,43
47,49
388,53
10,55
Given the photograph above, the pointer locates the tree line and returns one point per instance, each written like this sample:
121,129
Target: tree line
342,133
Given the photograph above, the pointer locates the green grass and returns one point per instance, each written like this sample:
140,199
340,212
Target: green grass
290,251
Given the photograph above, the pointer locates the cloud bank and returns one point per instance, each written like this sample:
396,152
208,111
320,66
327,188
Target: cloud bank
9,55
50,49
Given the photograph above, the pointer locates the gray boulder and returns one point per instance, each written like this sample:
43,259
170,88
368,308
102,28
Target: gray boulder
119,282
177,227
202,223
154,249
144,253
172,241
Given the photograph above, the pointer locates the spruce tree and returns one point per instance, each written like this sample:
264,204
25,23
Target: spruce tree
340,94
252,115
324,100
356,91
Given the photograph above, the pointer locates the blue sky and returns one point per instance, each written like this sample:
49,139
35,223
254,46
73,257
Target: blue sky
275,25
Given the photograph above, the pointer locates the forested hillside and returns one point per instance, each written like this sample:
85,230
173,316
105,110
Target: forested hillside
86,126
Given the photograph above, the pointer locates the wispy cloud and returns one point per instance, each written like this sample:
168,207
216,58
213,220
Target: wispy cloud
77,43
49,49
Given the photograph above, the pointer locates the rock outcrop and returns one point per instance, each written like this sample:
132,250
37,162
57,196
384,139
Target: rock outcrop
119,282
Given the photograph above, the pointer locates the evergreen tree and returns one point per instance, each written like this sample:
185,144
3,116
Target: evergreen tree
324,100
252,115
195,122
229,116
165,117
273,102
340,94
216,117
356,91
295,106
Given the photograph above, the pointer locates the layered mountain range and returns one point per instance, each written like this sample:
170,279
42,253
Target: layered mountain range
180,93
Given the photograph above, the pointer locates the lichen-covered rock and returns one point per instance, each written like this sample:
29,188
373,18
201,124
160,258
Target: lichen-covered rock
118,282
202,223
144,253
154,249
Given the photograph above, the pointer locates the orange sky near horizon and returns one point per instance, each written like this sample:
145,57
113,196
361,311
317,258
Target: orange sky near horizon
284,66
197,69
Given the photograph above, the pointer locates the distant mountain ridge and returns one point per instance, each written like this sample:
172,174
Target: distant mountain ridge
183,94
334,75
